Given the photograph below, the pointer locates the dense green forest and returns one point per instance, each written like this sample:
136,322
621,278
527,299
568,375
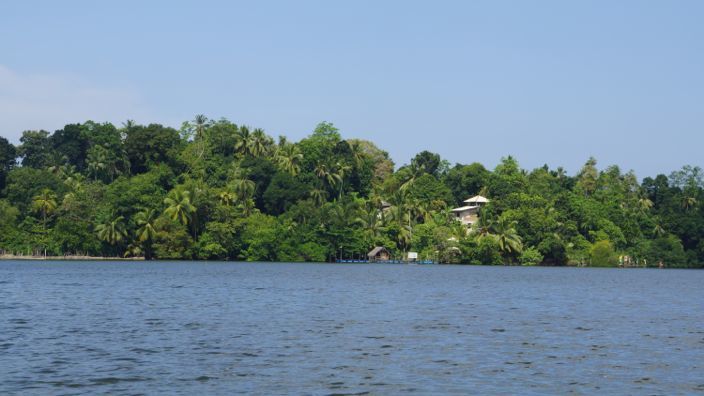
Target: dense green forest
217,190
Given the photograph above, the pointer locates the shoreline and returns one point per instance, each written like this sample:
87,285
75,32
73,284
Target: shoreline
8,257
69,257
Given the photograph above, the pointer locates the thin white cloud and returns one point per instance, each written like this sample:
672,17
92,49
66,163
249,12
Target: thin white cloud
49,101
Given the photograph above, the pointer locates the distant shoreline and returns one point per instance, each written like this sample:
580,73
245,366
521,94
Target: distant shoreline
8,257
81,258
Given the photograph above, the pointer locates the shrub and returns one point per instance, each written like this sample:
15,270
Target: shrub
530,256
603,255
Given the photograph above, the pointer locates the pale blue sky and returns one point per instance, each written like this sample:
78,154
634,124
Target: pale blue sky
546,81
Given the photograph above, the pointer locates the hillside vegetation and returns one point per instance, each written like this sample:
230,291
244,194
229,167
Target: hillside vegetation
217,190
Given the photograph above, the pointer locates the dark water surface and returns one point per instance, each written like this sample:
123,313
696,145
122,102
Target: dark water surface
225,328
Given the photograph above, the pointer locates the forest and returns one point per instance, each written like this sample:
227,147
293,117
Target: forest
215,190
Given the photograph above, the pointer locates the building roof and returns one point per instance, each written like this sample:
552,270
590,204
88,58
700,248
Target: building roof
376,251
464,208
476,199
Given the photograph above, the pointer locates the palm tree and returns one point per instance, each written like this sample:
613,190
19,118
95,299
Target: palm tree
403,238
244,188
243,143
179,206
201,122
97,161
328,175
134,250
644,204
247,206
260,143
341,171
412,173
399,206
319,196
659,231
129,124
688,202
112,230
345,212
146,221
507,237
44,203
357,152
370,221
227,198
289,158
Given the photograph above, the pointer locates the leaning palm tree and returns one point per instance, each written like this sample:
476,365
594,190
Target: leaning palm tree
112,230
410,176
341,171
179,206
44,203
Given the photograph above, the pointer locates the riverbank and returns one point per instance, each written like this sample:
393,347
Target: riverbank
68,257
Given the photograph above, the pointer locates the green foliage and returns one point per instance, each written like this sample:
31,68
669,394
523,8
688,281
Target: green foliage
668,250
602,254
148,146
429,163
283,191
8,158
481,251
465,181
216,190
530,256
428,189
553,249
35,149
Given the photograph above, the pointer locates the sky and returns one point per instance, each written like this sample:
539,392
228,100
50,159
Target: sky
548,82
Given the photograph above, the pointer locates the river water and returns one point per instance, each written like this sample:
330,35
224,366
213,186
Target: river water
318,329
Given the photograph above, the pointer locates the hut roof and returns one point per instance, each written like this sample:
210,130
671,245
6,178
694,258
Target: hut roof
476,199
464,208
376,250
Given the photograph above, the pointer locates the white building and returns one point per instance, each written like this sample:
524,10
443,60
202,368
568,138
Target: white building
469,214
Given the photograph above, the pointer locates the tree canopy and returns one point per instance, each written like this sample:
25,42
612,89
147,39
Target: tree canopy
214,189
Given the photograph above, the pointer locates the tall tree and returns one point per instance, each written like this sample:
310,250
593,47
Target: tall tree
44,203
289,158
146,231
36,149
8,159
